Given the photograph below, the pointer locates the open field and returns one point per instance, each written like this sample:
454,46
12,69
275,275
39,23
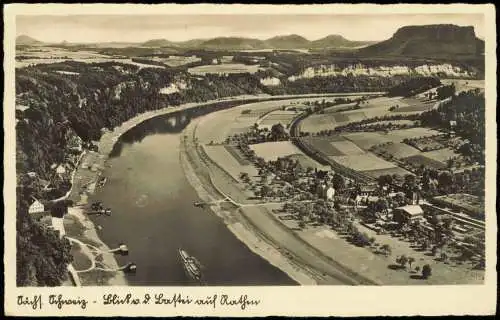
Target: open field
464,85
347,148
324,144
441,155
278,116
248,113
419,159
394,122
44,55
363,162
35,61
307,162
390,171
224,68
398,135
238,130
177,61
398,150
226,160
273,150
331,118
365,140
424,106
233,150
319,122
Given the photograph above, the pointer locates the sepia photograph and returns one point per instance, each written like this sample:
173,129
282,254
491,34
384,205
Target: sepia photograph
203,149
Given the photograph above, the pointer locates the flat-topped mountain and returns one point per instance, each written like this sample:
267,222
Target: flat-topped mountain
429,41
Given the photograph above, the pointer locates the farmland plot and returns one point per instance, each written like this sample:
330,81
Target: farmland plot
318,122
389,171
464,85
399,135
363,162
347,148
398,150
224,68
307,162
233,150
272,150
365,140
441,155
354,116
416,106
419,159
225,159
324,144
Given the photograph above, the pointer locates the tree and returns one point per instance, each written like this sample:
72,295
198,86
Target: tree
445,92
426,271
372,241
264,191
278,132
40,262
386,249
410,261
244,177
338,182
384,180
445,180
402,260
444,257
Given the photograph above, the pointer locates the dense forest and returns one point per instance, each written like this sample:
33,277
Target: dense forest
414,86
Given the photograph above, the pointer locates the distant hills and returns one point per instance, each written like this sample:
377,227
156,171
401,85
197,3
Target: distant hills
428,41
337,41
27,41
292,41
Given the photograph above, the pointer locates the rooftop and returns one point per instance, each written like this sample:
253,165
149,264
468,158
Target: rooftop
412,209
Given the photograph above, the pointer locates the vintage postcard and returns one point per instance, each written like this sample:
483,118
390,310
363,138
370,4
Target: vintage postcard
249,160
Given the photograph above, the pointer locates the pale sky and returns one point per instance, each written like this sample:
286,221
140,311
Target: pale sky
140,28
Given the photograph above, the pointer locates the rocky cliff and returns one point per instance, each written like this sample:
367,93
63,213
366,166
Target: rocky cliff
429,41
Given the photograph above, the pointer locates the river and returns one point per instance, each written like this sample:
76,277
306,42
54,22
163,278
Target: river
154,215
